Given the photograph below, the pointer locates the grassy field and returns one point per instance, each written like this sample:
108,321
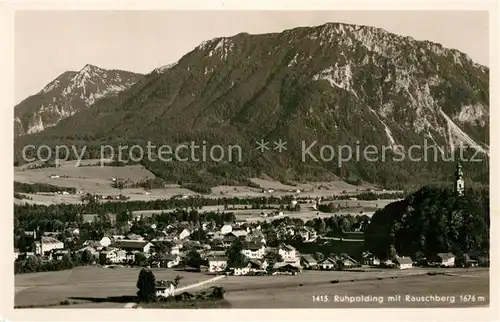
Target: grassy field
87,284
306,213
298,291
333,186
96,179
98,287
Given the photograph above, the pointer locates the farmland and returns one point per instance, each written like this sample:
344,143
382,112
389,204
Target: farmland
86,284
96,179
92,284
274,294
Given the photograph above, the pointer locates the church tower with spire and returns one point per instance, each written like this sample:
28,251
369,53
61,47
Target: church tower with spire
459,180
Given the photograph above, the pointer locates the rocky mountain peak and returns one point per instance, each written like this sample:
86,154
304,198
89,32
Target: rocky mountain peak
67,94
335,83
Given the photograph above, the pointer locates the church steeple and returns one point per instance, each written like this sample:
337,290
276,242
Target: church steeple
459,180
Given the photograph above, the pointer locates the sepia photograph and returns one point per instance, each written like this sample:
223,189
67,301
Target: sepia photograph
181,159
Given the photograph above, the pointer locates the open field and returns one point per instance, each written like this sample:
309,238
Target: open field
306,211
88,284
333,186
96,179
89,179
275,295
85,283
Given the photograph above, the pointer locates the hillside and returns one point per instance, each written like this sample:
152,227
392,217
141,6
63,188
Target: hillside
66,95
432,220
336,84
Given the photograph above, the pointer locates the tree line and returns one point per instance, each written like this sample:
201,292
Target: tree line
21,187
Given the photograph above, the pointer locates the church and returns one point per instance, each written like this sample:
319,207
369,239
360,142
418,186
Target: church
459,180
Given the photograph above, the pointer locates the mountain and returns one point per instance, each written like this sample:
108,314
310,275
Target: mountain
66,95
337,84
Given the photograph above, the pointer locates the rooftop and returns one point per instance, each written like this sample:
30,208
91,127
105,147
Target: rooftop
132,244
216,258
49,240
404,260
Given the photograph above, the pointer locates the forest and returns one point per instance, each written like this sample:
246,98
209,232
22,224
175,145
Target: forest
429,221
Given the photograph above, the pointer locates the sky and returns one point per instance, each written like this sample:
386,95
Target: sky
48,43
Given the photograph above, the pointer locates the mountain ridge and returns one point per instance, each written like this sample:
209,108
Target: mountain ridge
335,83
67,94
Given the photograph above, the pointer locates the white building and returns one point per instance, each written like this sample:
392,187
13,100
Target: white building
445,259
404,262
288,253
184,234
240,271
217,264
105,241
255,251
175,250
164,289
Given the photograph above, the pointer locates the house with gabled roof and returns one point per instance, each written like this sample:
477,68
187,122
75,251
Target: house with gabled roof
308,234
93,243
226,229
217,263
308,261
135,237
90,218
164,288
58,254
105,241
47,244
403,262
185,233
347,261
328,263
167,260
254,250
258,265
93,251
286,268
240,269
256,236
238,233
288,253
370,259
443,259
133,245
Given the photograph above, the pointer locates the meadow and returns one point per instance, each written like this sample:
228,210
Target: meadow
88,284
95,287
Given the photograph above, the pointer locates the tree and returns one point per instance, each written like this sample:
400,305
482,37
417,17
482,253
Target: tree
139,258
193,259
103,260
392,253
233,253
123,217
87,257
199,235
66,261
146,283
273,257
177,280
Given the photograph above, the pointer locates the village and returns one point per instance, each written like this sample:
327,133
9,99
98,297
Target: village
210,249
215,243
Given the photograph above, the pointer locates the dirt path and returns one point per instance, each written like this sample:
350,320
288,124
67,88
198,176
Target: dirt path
181,289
